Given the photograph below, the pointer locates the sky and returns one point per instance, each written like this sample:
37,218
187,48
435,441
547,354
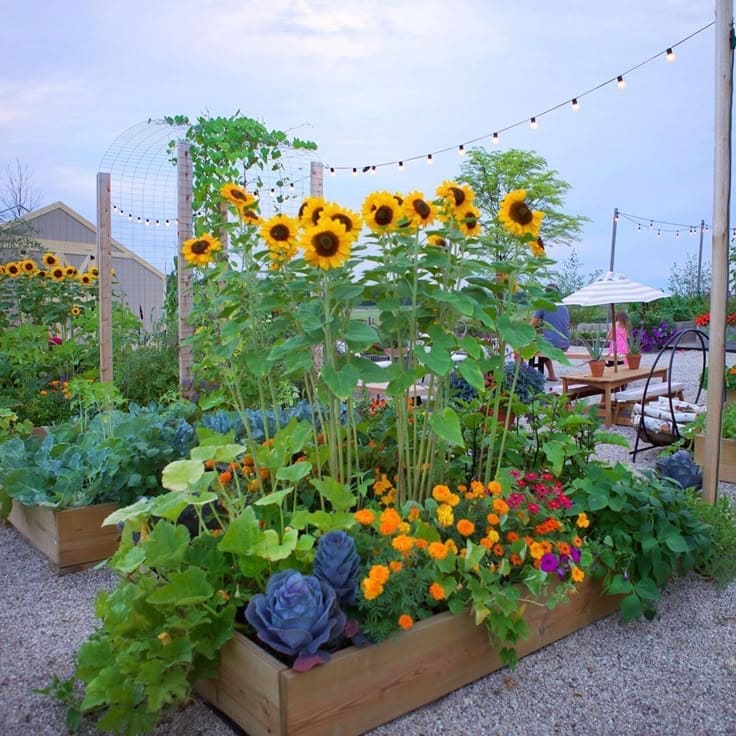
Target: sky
373,82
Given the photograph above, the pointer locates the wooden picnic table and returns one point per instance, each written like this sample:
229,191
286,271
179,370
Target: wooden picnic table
609,381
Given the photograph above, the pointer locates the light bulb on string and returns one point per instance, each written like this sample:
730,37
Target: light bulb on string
291,186
659,233
355,171
148,222
651,224
533,123
620,81
158,222
575,104
429,159
401,165
670,55
617,217
373,170
272,192
638,227
495,138
130,216
677,234
332,171
461,150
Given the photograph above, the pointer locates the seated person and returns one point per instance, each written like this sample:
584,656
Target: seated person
555,326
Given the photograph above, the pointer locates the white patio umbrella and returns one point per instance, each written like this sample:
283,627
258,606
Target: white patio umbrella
613,288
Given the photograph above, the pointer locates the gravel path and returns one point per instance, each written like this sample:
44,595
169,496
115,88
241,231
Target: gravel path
673,675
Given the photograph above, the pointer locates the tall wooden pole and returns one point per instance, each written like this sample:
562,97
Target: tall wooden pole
719,247
316,179
613,238
184,272
700,258
104,280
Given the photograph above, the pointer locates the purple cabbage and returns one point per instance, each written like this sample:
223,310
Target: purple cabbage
337,563
297,615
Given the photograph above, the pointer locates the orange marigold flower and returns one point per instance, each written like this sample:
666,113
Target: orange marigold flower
209,464
498,550
414,513
494,488
546,546
486,542
536,550
379,573
365,517
390,521
465,527
493,519
406,621
437,550
515,560
395,565
500,506
403,544
583,522
477,489
441,493
577,541
563,548
388,499
437,591
577,575
421,543
404,527
512,536
371,588
453,499
225,477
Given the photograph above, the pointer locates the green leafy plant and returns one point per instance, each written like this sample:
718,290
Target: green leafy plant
645,532
596,346
635,342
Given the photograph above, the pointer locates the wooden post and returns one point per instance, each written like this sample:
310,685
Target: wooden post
316,179
104,281
184,271
719,247
613,238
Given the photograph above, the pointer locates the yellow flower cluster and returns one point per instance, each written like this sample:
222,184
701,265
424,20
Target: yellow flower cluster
51,269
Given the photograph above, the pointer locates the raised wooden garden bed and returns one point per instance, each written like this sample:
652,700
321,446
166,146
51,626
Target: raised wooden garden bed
360,689
727,465
70,538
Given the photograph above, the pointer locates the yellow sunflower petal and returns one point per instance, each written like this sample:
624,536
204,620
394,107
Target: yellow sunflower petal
382,212
326,245
200,251
516,215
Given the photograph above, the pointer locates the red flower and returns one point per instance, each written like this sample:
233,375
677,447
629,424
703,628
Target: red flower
703,320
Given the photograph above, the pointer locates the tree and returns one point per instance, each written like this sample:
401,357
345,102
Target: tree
493,175
569,276
17,197
683,280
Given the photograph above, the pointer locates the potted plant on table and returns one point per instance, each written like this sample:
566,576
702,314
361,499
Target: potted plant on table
633,357
595,350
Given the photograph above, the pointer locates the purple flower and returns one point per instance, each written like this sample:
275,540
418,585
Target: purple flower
575,554
549,562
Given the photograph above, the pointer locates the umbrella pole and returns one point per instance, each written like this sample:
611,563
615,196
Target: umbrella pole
613,338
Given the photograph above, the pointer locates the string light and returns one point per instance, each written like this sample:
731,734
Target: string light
429,159
659,233
332,171
618,79
355,171
661,226
373,170
272,192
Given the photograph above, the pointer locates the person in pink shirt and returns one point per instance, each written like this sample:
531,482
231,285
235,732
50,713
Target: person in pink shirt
619,337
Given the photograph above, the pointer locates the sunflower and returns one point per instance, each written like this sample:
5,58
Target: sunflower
249,215
468,220
70,272
418,210
2,270
455,194
13,269
199,251
86,279
382,212
237,195
280,232
28,267
94,271
50,259
350,219
57,273
537,247
437,241
311,209
516,215
326,245
76,311
41,274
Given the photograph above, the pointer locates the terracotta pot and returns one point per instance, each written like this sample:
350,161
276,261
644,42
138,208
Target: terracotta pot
597,367
633,361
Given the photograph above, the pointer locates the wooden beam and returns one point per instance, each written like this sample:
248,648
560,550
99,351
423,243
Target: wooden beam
184,271
719,247
104,282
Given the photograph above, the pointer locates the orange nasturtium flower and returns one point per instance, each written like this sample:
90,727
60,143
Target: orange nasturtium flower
406,621
577,575
583,521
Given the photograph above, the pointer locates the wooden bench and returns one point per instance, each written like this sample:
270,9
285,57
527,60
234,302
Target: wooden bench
622,400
